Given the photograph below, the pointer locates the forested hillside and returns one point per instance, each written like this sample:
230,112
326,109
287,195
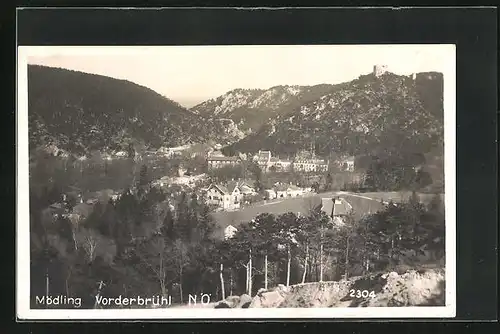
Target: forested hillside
81,112
252,108
369,115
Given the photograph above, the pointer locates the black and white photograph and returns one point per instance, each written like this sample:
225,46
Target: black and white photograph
176,181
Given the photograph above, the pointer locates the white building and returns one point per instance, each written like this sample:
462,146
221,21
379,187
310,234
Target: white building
218,160
263,159
229,232
301,163
270,193
347,164
246,189
288,190
225,197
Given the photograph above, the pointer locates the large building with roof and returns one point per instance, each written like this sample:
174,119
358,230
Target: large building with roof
218,160
225,197
301,163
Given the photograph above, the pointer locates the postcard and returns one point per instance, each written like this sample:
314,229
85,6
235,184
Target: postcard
236,182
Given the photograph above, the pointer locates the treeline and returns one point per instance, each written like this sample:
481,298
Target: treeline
290,249
392,172
96,173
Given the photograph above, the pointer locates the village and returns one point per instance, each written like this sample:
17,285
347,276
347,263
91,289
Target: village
215,183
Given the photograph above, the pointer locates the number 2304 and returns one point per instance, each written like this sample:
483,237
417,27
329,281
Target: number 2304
361,293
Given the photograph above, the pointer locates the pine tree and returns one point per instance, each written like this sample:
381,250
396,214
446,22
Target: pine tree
370,182
168,227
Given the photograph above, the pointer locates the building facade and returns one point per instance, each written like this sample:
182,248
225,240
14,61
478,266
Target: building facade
303,162
336,208
310,165
229,232
224,197
219,161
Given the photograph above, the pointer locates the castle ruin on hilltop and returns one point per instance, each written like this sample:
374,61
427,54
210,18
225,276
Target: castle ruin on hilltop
378,70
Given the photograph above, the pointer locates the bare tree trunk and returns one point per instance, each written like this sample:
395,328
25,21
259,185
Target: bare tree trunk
347,259
231,283
98,293
305,264
222,281
163,288
180,284
74,239
250,274
265,272
46,286
67,286
288,267
321,262
246,277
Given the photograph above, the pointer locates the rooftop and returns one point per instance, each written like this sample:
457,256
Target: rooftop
219,158
342,208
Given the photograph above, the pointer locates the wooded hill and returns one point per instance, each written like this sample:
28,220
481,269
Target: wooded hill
252,108
81,112
369,115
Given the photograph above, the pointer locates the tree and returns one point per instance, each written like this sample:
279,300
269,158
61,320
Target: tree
328,182
94,244
422,179
181,260
131,151
144,182
284,236
263,245
370,182
257,174
155,256
167,229
316,187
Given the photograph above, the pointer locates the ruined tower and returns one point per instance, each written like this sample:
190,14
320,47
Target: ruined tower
378,70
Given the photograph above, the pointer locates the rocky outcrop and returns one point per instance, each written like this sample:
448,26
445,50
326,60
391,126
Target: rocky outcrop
412,288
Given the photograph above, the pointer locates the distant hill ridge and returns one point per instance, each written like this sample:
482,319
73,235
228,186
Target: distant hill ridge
252,108
367,115
81,112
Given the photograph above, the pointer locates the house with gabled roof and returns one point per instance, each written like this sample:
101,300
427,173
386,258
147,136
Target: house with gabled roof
230,231
246,188
226,197
336,208
288,190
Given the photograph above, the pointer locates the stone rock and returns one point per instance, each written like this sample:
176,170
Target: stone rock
283,288
232,301
261,291
244,300
267,299
222,304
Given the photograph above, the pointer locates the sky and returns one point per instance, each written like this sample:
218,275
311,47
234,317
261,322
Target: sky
192,74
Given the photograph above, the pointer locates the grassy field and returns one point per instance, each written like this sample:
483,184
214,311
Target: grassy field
295,205
362,204
398,196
